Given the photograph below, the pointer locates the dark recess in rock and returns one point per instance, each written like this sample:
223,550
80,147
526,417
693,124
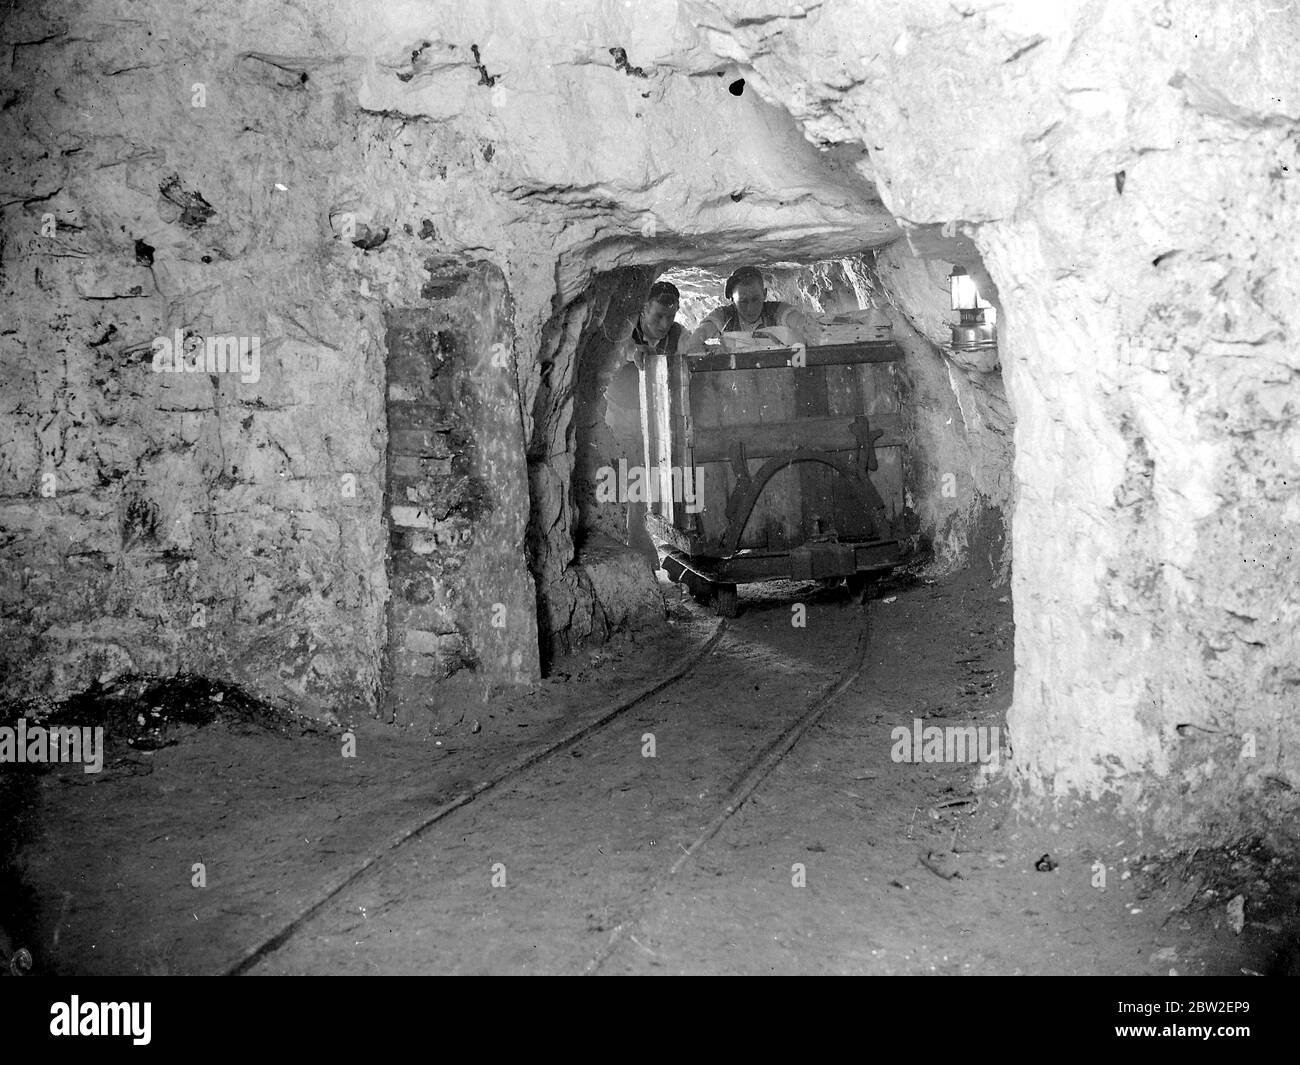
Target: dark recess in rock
109,333
141,522
484,78
368,239
1022,51
736,87
144,253
147,713
621,63
407,75
195,210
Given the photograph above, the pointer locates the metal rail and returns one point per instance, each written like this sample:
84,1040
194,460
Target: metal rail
276,940
754,773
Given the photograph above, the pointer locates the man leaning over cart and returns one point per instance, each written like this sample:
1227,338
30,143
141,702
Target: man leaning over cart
656,331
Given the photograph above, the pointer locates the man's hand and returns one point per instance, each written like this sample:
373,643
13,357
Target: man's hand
707,330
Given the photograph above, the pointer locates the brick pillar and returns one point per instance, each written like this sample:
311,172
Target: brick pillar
462,600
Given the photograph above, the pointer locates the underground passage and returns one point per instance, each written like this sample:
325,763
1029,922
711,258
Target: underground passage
513,488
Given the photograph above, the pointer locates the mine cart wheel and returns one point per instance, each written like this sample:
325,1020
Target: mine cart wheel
860,588
672,567
726,601
700,589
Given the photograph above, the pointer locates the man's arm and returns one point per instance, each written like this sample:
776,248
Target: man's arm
708,329
628,349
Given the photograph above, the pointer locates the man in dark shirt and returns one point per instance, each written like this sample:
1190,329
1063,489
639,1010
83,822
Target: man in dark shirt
656,331
656,326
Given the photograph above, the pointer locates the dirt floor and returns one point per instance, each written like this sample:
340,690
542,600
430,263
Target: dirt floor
222,838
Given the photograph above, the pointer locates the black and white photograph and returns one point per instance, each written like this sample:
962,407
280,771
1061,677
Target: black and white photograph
650,487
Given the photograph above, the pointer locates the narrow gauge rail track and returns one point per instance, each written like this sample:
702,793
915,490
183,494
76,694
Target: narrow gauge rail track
615,729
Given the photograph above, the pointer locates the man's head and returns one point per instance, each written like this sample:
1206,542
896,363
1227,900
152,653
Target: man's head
659,311
746,290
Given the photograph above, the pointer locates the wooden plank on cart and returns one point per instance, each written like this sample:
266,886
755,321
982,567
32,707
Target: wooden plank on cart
713,444
779,358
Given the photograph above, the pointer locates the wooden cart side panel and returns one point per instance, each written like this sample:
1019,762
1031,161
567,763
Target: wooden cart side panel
774,523
706,398
880,390
816,490
844,390
840,507
811,406
716,484
816,434
760,397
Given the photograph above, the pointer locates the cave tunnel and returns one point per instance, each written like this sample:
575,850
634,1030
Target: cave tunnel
383,533
631,420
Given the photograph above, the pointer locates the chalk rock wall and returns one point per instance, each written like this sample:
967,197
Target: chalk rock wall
966,488
227,523
607,428
1128,176
178,172
594,571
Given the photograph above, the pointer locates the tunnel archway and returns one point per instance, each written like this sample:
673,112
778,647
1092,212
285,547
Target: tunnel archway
956,484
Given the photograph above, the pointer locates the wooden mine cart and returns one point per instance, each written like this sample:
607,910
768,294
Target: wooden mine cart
765,469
